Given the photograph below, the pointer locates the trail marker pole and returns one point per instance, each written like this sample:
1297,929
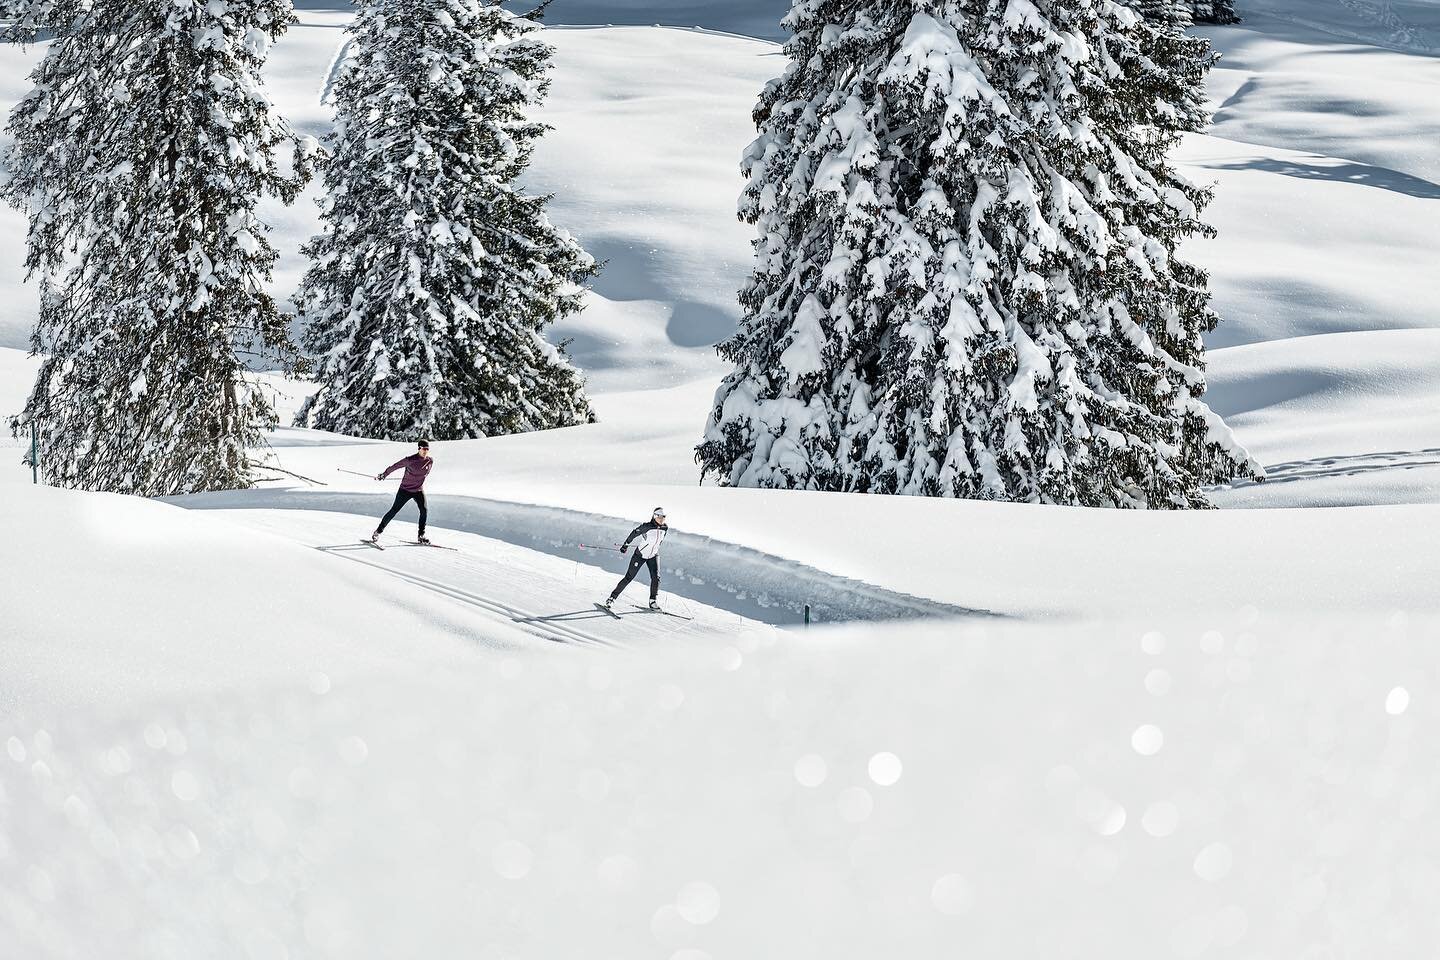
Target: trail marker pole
34,454
807,615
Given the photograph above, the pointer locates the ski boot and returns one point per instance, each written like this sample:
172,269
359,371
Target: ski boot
655,605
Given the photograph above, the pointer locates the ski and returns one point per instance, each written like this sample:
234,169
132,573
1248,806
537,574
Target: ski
437,546
677,616
372,543
606,610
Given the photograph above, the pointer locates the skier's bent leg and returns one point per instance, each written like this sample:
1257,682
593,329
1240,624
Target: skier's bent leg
420,502
635,562
400,498
654,564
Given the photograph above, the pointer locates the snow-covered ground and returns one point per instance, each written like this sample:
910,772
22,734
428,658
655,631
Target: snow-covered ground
229,730
1260,790
1326,152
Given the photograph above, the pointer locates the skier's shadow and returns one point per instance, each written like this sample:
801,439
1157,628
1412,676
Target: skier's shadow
591,614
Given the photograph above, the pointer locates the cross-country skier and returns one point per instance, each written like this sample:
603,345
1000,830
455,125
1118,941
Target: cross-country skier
412,487
647,551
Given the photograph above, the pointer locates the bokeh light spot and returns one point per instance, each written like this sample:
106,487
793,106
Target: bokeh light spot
885,769
1147,740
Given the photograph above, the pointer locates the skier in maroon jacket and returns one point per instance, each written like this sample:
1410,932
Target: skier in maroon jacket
412,487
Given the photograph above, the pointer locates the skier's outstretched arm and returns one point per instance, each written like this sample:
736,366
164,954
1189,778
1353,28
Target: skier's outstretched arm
637,532
390,469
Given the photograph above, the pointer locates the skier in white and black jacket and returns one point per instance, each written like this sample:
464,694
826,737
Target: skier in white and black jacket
647,551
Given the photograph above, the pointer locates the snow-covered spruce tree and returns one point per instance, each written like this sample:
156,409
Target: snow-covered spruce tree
141,154
1215,11
22,20
966,281
436,274
1175,14
1188,59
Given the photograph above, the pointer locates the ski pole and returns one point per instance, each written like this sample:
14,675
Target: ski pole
591,546
368,476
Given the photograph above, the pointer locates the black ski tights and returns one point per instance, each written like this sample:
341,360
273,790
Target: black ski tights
636,562
402,498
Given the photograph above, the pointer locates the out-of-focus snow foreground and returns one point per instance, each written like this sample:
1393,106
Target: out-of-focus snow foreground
229,730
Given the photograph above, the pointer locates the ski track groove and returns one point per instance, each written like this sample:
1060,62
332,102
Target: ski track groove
521,618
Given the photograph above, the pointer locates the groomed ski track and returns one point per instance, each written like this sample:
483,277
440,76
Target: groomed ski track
542,569
549,628
546,597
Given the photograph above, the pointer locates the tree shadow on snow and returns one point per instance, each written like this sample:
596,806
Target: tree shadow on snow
1350,465
1340,172
631,272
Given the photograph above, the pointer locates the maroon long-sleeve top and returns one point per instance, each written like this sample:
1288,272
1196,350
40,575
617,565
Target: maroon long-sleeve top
417,468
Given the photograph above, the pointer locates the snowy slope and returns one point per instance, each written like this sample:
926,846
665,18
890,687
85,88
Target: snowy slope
1341,419
1410,26
224,732
112,598
1235,787
647,175
1311,246
216,741
1326,150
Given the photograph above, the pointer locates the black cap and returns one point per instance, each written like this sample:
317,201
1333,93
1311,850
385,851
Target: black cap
425,444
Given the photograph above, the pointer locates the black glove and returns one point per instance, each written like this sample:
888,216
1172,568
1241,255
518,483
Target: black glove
624,547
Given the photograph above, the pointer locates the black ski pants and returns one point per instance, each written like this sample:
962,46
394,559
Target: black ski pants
402,498
636,562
